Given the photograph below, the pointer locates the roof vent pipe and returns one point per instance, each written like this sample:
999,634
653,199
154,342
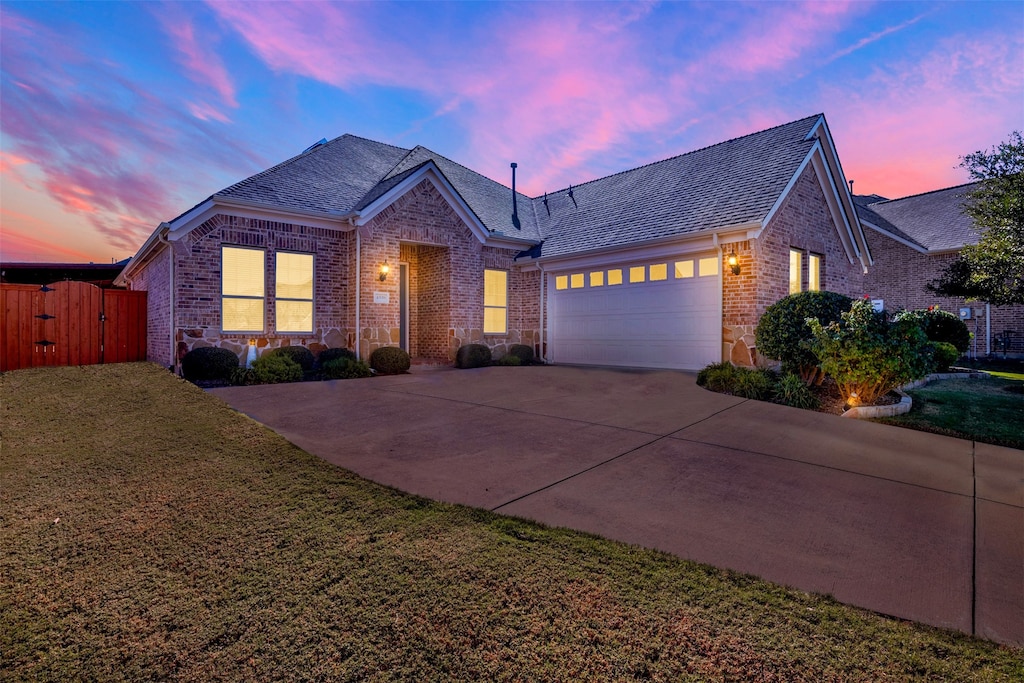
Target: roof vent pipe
515,203
851,186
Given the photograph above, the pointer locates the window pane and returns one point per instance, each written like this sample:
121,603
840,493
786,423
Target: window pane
615,277
814,272
659,271
576,280
495,287
242,315
684,269
562,282
494,320
707,266
795,268
294,316
637,273
597,278
294,276
242,272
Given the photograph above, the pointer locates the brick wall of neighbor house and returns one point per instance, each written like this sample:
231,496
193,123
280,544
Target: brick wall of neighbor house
447,298
899,276
198,283
154,277
802,222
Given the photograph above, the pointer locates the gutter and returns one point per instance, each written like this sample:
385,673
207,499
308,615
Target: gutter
162,232
359,280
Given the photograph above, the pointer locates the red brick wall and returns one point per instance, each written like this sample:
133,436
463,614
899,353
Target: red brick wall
154,278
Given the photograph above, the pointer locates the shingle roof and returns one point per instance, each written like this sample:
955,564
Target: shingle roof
934,220
733,182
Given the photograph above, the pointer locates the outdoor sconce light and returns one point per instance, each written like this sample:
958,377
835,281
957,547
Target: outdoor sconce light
384,270
733,262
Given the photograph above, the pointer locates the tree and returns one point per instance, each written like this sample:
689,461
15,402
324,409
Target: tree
993,269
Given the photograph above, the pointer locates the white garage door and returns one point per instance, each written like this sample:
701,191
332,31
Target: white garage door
664,314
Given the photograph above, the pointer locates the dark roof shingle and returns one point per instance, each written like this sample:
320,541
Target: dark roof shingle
934,220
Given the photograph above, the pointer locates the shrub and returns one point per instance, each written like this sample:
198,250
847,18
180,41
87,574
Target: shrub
508,359
299,354
783,334
941,326
328,355
472,356
390,360
869,356
208,362
791,390
943,355
717,377
523,352
275,368
345,368
242,376
753,384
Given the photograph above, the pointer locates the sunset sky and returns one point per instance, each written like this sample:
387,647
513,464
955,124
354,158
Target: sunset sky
117,116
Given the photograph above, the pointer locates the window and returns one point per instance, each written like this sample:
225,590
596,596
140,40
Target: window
707,266
684,269
597,278
615,276
242,289
813,272
795,270
294,292
659,271
576,281
561,282
496,301
637,273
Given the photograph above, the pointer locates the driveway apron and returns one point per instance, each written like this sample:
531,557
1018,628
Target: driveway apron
905,523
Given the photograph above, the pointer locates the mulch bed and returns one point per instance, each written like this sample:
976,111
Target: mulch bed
832,401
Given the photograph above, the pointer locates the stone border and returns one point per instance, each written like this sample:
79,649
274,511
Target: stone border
905,404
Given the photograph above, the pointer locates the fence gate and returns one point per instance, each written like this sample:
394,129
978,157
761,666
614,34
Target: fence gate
70,323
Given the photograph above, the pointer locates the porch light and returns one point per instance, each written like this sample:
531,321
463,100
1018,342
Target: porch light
384,270
733,262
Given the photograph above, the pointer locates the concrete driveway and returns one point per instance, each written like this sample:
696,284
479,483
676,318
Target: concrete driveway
905,523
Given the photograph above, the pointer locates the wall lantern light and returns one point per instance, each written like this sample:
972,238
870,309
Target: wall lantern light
733,262
384,270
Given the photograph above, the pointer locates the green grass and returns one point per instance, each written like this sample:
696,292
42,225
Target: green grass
150,532
1006,368
989,410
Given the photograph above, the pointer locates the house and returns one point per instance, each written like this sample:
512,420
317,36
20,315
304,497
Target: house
913,240
362,244
100,274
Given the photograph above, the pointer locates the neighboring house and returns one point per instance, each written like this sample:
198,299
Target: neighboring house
99,274
628,270
912,241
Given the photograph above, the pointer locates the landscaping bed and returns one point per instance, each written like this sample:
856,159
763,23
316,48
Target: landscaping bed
151,532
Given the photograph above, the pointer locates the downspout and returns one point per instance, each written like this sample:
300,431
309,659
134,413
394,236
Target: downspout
540,341
358,288
988,330
165,228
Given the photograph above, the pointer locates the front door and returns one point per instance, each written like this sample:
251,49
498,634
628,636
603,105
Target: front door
403,306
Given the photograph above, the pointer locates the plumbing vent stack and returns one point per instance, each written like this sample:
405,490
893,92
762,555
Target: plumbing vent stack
515,203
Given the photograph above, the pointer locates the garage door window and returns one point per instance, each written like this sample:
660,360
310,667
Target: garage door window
707,266
659,271
576,281
637,273
561,282
495,301
597,278
684,269
615,277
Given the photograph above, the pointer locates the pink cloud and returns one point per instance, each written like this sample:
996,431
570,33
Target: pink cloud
197,55
18,245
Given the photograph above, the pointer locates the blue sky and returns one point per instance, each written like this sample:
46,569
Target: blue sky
116,116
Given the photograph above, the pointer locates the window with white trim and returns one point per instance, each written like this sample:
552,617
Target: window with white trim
796,268
496,301
243,284
813,272
294,292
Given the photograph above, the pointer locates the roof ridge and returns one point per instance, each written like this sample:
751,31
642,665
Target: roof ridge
693,151
921,194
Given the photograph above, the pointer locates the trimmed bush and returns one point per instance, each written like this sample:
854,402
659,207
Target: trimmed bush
390,360
208,362
299,354
783,334
242,376
271,368
754,384
943,355
941,326
472,356
523,352
867,355
791,390
717,377
508,359
345,368
328,355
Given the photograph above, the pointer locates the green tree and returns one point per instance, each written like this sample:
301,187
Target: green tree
993,269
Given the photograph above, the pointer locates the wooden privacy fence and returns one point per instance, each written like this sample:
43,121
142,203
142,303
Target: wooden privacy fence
70,323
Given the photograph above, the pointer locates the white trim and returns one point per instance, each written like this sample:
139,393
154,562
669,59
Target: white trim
835,204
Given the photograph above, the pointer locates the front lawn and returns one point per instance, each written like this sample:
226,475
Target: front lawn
990,410
150,532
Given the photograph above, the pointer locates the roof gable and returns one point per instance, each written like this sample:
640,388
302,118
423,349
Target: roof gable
933,220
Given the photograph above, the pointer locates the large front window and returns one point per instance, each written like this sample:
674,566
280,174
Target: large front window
294,292
242,289
496,301
796,268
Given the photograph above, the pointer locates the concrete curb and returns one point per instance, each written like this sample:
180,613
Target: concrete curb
906,403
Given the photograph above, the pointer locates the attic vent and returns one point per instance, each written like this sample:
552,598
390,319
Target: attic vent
321,141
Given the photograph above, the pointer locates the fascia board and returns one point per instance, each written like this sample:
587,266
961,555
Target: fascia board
431,172
151,245
916,247
676,245
835,203
509,243
846,197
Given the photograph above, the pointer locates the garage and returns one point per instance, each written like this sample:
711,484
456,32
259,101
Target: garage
659,314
